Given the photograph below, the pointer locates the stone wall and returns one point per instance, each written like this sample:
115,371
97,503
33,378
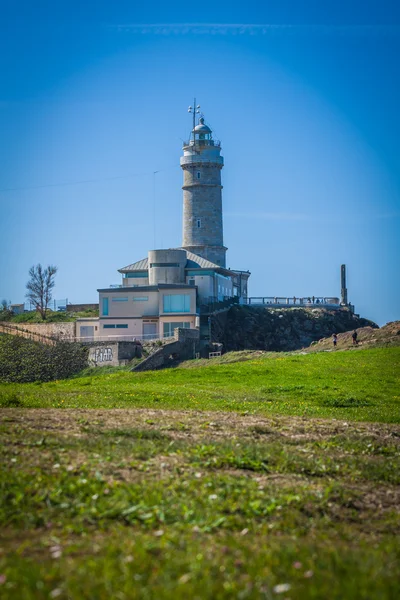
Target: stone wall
52,330
185,347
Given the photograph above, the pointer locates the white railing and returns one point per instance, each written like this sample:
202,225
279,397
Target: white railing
147,337
280,301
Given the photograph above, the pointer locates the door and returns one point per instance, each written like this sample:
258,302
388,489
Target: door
87,332
150,331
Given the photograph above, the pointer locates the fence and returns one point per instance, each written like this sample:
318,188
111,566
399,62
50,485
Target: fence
150,337
284,301
55,305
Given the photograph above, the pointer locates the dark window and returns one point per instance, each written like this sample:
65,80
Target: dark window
164,265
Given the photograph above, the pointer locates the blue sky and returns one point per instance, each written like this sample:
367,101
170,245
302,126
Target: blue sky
304,97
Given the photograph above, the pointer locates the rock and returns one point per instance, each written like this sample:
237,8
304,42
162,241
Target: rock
259,328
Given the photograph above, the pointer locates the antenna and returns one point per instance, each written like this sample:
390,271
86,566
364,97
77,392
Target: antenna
195,110
154,209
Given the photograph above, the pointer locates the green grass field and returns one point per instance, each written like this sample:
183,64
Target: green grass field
276,477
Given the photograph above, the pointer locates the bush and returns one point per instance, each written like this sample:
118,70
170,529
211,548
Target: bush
24,361
6,314
36,317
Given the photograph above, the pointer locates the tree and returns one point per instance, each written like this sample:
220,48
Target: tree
39,287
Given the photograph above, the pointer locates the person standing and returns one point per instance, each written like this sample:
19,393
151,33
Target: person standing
334,339
354,337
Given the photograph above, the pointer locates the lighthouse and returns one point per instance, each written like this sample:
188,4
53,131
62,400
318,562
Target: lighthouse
202,194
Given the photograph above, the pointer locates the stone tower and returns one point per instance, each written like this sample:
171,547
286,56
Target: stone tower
202,195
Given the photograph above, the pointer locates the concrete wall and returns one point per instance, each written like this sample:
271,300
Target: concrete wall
133,307
114,354
134,329
171,267
134,281
205,285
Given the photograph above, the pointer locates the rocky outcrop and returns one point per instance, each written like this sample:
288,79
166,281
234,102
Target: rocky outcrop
258,328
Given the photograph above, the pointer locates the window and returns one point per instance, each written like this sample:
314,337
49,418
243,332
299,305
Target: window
194,272
105,307
164,265
125,299
176,303
136,274
122,326
198,223
140,298
169,328
192,282
198,174
108,326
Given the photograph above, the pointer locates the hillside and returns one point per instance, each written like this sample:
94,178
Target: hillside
276,477
257,328
368,337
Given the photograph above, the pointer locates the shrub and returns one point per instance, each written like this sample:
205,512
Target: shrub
24,361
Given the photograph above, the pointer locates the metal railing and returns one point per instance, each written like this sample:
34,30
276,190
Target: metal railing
198,142
212,304
146,337
284,301
54,305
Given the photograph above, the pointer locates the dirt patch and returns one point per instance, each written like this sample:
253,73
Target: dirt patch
193,425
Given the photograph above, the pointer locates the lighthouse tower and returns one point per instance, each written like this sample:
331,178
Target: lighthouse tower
202,194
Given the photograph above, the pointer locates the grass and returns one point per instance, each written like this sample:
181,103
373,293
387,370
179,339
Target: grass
362,385
205,483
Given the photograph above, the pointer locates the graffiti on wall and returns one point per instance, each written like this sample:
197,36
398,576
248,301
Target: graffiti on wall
103,355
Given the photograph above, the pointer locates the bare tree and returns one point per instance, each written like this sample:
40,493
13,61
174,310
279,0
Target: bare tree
39,287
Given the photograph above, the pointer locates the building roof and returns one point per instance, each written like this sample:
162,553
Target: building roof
140,265
193,262
201,127
123,289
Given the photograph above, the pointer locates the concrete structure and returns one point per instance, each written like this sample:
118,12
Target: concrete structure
17,309
113,354
168,289
184,346
202,196
343,293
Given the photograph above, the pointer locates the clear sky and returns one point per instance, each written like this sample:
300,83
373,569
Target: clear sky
304,96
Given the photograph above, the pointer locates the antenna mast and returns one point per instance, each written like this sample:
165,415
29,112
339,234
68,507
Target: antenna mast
195,110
